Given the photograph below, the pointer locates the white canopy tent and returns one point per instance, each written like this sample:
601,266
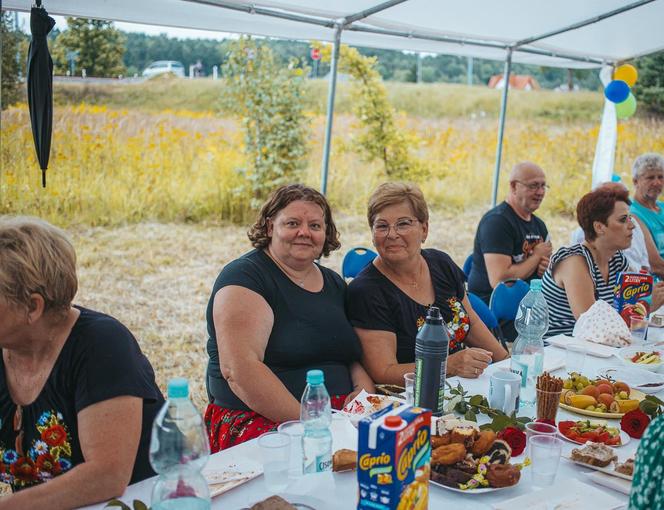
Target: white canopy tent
566,33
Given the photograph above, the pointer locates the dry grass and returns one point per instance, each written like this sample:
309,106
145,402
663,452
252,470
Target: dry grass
156,278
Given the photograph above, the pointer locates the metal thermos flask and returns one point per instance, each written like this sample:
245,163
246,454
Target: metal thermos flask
431,349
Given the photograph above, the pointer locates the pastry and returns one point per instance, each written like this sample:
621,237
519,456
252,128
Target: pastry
482,443
595,454
502,475
273,503
344,460
626,468
448,454
449,422
450,475
499,452
443,440
463,435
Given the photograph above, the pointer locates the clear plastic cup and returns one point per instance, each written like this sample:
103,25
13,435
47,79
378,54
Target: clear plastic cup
545,457
295,430
409,384
275,452
538,429
575,358
638,327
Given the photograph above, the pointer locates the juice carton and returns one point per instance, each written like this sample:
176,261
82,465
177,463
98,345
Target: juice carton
631,295
394,451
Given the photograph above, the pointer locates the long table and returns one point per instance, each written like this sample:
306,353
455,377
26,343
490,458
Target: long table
338,491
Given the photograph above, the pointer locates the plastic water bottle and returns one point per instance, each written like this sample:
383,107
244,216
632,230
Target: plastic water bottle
316,415
531,322
431,349
179,449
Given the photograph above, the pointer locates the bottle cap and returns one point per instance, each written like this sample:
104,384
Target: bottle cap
178,387
433,315
393,421
536,284
315,377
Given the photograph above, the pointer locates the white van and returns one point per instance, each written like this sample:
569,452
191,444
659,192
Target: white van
164,66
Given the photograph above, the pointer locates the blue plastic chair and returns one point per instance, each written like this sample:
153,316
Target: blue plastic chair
355,260
467,266
506,297
485,313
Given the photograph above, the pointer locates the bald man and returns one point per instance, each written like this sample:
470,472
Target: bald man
511,242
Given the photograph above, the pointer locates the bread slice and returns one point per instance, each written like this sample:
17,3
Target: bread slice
595,454
344,460
626,468
273,503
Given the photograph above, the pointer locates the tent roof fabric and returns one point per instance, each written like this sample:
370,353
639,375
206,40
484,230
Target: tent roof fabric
492,26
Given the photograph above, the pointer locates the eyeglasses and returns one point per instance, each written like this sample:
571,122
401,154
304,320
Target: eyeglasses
534,186
18,427
400,227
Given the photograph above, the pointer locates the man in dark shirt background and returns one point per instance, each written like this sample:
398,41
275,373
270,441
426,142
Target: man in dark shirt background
511,242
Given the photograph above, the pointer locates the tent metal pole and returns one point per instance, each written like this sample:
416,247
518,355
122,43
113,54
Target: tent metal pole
501,127
372,10
332,88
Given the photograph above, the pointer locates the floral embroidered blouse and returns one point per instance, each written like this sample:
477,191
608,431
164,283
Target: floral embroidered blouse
374,302
100,360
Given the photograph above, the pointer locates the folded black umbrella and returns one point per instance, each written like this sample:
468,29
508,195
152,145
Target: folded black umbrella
40,85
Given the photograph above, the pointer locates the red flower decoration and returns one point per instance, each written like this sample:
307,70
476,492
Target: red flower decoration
24,469
515,438
54,436
46,462
635,423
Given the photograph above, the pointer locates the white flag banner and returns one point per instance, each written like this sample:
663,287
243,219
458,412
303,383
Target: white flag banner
605,151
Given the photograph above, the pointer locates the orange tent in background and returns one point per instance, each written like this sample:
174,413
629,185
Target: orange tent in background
517,81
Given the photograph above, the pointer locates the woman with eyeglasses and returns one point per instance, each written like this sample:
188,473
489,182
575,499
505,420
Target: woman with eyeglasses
388,300
77,395
275,313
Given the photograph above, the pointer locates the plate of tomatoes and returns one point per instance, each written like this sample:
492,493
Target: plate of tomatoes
583,431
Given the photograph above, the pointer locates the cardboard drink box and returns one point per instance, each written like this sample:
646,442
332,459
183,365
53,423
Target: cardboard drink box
394,452
632,295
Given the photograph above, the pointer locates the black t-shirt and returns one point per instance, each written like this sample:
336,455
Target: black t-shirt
99,360
502,231
310,329
375,303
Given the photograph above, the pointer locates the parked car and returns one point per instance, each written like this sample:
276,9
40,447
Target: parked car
164,66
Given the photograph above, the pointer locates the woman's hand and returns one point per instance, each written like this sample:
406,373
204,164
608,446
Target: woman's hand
657,295
352,395
468,363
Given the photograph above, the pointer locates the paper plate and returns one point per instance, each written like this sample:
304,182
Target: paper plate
634,394
609,470
641,380
624,439
483,490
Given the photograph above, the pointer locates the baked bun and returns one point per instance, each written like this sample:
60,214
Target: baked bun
441,440
502,475
344,460
448,454
482,444
273,503
463,435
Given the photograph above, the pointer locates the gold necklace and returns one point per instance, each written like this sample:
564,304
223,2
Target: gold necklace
293,278
414,284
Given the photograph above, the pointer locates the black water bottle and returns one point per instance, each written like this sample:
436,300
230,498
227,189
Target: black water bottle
431,348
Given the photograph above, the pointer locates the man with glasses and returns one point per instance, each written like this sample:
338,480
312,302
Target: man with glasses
511,242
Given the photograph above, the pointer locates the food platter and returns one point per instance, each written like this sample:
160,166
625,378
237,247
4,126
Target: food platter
483,490
608,470
634,394
624,438
643,380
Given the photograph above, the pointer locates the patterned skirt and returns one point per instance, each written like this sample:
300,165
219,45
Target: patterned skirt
230,427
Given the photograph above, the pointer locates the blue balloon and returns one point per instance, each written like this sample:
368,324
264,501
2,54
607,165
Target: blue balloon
617,91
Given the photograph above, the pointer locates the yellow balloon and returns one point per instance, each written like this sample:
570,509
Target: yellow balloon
626,73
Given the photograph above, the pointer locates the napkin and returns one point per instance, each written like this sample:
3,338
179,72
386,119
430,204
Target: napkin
603,325
612,482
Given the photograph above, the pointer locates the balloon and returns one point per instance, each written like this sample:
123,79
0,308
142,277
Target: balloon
627,108
617,91
626,73
616,178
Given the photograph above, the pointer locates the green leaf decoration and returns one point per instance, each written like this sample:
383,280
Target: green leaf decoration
470,415
476,400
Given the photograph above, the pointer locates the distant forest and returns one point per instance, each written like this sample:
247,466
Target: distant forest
141,49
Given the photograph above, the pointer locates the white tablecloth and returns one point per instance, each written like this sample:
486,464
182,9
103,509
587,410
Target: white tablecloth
339,490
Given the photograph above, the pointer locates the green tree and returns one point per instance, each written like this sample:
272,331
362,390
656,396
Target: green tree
269,99
98,48
382,139
649,88
10,40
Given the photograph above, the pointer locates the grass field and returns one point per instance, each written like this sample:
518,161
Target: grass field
146,178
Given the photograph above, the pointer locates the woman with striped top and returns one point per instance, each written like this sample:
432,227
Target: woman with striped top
580,274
